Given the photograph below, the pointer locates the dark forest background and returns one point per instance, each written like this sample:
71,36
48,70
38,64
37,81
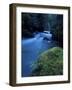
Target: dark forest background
36,22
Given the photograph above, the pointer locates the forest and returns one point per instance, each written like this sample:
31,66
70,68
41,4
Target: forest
43,57
33,23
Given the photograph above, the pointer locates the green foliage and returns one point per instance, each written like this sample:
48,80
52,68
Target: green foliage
36,22
32,23
57,29
49,63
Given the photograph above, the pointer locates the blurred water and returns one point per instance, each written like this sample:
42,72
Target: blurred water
31,49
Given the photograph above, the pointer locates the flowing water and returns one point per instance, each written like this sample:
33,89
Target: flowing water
31,49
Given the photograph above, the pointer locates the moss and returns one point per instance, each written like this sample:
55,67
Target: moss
49,62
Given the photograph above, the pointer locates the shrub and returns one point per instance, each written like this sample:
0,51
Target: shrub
49,62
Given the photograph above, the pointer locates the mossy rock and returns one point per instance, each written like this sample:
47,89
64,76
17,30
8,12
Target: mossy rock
49,62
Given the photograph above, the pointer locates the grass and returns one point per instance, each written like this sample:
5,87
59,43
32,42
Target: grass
49,62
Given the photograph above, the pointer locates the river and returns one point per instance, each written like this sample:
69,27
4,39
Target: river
31,49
